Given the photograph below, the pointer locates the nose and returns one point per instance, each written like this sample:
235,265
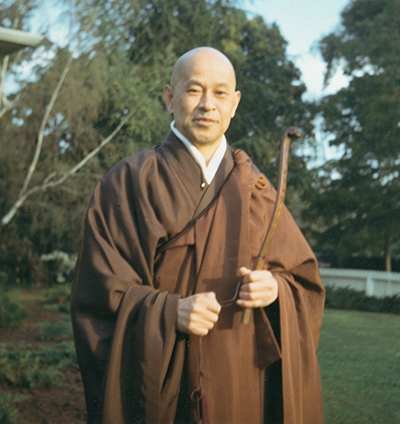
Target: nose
207,101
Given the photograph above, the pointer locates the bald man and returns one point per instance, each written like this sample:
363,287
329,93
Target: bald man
164,274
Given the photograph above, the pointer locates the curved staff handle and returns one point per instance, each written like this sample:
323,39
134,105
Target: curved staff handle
260,260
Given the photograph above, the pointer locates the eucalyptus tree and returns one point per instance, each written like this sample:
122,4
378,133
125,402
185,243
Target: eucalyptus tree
98,95
356,198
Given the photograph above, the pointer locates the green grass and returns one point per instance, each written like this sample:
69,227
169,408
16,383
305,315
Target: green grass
359,358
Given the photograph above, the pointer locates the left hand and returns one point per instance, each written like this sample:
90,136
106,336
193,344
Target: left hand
259,289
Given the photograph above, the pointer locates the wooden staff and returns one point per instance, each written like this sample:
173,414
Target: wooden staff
260,260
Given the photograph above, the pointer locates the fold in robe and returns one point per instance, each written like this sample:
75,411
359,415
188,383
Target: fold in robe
145,246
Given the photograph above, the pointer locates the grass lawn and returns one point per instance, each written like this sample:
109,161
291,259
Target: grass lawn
359,358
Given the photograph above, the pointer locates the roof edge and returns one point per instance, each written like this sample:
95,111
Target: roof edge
22,38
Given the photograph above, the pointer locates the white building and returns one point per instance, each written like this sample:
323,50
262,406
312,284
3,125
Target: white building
12,40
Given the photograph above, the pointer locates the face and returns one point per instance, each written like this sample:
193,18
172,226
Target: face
202,97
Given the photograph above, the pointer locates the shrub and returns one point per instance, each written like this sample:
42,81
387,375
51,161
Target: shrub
23,367
61,355
55,330
11,313
3,280
57,298
347,298
8,413
19,260
61,266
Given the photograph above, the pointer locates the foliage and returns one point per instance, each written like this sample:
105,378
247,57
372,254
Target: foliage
347,298
11,312
24,367
116,60
353,201
359,362
3,280
8,413
62,265
55,330
58,298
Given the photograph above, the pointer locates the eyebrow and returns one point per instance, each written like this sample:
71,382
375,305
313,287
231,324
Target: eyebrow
194,82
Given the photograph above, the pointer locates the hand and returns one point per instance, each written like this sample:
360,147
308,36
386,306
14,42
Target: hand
258,289
197,314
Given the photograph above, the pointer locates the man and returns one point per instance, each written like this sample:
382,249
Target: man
170,235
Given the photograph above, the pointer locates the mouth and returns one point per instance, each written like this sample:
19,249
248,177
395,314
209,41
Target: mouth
204,121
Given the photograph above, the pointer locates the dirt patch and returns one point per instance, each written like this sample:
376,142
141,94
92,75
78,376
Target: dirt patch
50,404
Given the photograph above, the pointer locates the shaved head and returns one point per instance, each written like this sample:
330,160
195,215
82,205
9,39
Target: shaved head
202,97
204,55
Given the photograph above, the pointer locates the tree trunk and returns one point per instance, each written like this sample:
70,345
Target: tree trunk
388,256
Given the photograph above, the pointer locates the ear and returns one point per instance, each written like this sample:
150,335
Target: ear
236,102
168,96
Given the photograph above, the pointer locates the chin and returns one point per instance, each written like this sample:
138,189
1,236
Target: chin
204,139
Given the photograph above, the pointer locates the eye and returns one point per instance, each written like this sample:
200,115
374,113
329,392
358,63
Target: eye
193,90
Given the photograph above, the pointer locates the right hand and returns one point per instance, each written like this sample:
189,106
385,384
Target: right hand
197,314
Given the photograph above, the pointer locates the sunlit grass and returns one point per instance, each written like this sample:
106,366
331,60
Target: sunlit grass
359,359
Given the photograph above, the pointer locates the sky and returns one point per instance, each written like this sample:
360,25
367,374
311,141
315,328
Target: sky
303,23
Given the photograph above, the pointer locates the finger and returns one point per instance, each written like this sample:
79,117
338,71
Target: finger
200,325
256,295
258,275
257,303
198,332
203,316
212,303
243,271
253,303
260,286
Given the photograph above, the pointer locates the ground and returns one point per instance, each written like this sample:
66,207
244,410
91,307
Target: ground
51,404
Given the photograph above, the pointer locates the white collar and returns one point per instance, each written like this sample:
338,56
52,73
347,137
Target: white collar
216,159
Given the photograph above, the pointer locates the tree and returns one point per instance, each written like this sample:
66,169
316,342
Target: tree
357,196
54,125
107,81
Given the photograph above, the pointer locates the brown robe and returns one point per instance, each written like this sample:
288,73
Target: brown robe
152,235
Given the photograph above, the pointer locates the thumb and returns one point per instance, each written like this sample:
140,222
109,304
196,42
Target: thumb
211,295
244,271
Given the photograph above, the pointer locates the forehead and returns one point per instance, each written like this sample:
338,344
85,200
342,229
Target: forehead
206,69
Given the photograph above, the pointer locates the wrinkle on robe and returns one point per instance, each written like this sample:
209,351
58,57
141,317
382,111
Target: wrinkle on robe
127,290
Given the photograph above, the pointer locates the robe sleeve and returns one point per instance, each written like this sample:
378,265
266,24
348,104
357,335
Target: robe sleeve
295,317
121,322
301,304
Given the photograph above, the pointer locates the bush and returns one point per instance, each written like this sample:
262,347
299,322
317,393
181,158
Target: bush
61,355
3,280
347,298
9,414
57,298
31,369
61,266
11,313
19,260
22,369
55,330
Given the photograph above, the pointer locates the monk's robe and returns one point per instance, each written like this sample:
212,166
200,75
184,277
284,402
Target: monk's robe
156,232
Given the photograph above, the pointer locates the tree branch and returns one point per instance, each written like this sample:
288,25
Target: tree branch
47,184
2,79
10,105
43,124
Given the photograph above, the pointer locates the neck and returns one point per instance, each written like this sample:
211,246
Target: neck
207,150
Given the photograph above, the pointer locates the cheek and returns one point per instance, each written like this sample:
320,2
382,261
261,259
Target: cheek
228,111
